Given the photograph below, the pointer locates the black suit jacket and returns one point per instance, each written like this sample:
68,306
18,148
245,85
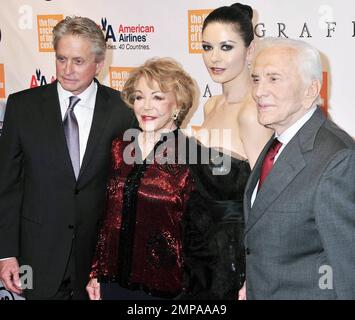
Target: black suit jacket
42,206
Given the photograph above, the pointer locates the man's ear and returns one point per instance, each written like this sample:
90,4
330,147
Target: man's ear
99,66
312,92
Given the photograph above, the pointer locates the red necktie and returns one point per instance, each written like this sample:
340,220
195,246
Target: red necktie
269,161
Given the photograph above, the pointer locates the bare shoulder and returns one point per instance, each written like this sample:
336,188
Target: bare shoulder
248,114
210,104
253,135
248,121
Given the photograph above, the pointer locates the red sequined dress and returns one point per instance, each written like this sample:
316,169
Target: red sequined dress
139,244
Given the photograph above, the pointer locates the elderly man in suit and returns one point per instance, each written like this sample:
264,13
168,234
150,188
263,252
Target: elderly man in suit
54,160
300,198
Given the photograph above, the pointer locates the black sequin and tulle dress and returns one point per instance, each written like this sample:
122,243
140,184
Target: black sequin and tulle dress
139,245
213,226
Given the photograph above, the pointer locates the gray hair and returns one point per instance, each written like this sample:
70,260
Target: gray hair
308,58
82,27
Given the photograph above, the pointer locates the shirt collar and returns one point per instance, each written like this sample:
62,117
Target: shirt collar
85,96
289,133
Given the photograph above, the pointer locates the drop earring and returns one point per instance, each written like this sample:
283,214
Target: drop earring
175,115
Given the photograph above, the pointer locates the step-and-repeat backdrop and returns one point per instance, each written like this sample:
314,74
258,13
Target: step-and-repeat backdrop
138,30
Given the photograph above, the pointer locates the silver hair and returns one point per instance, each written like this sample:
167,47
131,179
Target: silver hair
308,58
82,27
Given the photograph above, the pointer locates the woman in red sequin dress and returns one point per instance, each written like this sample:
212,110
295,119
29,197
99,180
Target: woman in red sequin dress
139,249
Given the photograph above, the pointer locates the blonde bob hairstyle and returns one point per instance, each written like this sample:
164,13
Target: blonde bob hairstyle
170,77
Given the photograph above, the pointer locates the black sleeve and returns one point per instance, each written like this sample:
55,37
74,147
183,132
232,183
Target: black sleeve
11,186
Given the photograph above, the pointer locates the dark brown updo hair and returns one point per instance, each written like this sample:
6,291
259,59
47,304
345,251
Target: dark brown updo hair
239,15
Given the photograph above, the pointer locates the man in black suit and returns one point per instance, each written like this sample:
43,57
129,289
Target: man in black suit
54,159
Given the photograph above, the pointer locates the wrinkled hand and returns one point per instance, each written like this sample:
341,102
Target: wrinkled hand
93,289
10,275
242,294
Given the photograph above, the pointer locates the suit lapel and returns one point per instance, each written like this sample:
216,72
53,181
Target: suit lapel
52,117
253,179
101,116
286,168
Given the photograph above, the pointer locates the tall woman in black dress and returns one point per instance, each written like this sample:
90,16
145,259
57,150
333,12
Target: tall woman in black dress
213,225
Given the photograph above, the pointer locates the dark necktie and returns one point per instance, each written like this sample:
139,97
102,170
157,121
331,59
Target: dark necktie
269,161
71,130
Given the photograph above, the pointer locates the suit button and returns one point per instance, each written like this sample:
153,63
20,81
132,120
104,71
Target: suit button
70,226
76,191
247,251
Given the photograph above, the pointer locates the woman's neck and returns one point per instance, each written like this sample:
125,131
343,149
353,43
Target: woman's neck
153,136
238,89
148,139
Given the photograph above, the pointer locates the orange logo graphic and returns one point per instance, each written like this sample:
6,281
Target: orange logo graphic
195,22
2,81
45,24
324,93
118,77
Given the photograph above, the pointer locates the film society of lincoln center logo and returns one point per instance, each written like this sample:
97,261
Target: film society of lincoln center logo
45,24
195,22
2,81
118,76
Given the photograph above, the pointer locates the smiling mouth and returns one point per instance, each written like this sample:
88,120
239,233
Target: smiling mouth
264,106
148,118
217,70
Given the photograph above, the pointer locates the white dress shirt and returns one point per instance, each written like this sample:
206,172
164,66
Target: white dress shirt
285,137
84,112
